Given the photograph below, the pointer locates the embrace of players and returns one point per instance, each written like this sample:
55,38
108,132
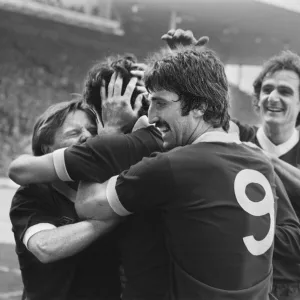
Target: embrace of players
145,189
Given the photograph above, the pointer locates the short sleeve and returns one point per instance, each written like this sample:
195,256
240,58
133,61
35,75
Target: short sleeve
145,186
30,207
104,156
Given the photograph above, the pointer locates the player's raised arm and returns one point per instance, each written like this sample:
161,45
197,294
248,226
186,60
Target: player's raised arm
179,37
28,169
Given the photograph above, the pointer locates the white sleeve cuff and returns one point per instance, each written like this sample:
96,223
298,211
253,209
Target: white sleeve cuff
35,229
60,166
113,199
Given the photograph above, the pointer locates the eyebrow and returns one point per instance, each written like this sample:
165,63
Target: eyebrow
266,83
157,98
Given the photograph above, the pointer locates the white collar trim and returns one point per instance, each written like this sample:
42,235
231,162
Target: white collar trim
142,122
218,136
277,150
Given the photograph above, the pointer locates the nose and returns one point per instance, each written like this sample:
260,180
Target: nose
152,114
84,136
274,97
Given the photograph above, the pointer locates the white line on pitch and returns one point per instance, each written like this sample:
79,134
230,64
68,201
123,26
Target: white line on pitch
10,294
8,270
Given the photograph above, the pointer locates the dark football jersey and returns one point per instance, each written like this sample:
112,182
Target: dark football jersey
141,240
219,210
106,155
90,274
286,267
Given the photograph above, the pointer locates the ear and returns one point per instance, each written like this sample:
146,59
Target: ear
199,112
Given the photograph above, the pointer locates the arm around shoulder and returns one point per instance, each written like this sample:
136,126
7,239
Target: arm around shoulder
61,242
28,169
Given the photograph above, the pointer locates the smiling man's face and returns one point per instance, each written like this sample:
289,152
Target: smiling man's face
166,113
279,98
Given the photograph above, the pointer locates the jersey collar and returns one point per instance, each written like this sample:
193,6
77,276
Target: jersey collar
218,136
277,150
142,122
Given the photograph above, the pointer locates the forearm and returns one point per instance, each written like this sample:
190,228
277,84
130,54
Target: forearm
91,202
27,169
289,175
55,244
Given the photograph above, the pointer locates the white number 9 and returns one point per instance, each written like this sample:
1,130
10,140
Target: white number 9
263,207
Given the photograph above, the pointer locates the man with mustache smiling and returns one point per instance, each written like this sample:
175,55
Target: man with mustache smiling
277,100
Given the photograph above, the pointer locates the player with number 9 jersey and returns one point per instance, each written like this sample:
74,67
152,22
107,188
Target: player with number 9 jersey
219,204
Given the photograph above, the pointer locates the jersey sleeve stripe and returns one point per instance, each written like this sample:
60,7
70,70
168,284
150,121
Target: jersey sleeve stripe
113,199
31,231
60,166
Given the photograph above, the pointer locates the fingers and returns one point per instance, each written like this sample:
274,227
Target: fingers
110,89
140,66
130,88
115,86
171,32
103,95
202,41
168,35
141,89
138,103
165,37
137,73
118,86
179,33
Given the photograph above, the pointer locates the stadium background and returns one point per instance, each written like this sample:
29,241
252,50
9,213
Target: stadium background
43,61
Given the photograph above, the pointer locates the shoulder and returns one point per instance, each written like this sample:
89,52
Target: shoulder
30,193
203,151
155,164
33,190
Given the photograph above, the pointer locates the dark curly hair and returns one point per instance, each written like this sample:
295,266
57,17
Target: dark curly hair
103,70
197,76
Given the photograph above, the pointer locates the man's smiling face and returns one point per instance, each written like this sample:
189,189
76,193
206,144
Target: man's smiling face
166,113
279,98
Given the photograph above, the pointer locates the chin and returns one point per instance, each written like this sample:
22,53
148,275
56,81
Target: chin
274,120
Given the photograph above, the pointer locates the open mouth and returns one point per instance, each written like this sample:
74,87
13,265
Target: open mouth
164,130
275,109
163,127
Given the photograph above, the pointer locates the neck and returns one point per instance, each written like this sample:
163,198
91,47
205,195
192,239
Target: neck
278,134
205,128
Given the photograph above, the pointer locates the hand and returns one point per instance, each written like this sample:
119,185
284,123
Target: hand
139,72
175,38
117,112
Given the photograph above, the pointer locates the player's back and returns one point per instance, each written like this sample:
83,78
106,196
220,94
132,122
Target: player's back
220,223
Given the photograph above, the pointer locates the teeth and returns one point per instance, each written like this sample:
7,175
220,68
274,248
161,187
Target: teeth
275,109
163,129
